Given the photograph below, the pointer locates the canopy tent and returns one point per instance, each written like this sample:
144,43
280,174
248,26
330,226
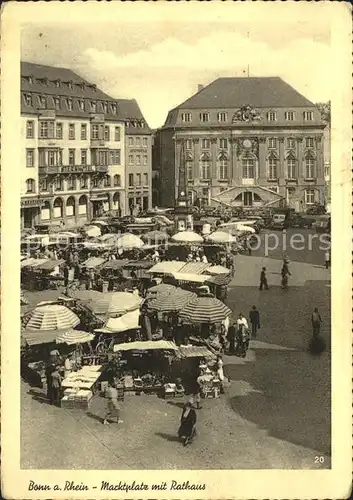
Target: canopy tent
245,229
187,237
129,241
115,303
95,245
192,351
138,264
51,264
194,267
194,278
128,321
41,239
220,279
221,237
52,317
71,337
111,238
32,262
148,345
218,270
93,231
167,267
205,310
115,264
156,236
172,302
93,262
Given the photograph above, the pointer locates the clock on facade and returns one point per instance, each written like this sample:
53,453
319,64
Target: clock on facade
247,143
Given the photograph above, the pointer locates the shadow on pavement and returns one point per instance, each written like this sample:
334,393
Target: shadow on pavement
179,404
39,396
95,417
168,437
294,405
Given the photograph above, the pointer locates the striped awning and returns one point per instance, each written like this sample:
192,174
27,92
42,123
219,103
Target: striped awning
115,303
192,351
50,264
172,302
52,317
74,337
220,279
205,310
194,267
93,262
38,337
167,267
217,270
115,264
162,289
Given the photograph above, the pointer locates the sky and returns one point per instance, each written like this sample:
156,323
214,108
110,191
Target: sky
161,64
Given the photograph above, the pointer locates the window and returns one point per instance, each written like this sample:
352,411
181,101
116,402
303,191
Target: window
60,156
131,159
248,165
83,131
42,101
30,185
46,130
222,117
95,182
106,133
223,169
43,185
29,158
131,141
138,160
205,144
188,144
117,134
107,181
71,131
272,168
204,117
138,179
145,159
309,196
145,179
308,116
186,117
138,141
83,182
83,156
205,168
71,157
51,158
115,157
289,116
58,184
59,131
69,104
131,180
272,143
105,107
117,180
290,143
71,183
81,104
93,106
145,142
113,106
291,168
189,171
94,132
28,99
57,103
272,116
309,168
309,142
30,129
223,143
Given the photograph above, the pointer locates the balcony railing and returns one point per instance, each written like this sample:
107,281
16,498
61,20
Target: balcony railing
71,169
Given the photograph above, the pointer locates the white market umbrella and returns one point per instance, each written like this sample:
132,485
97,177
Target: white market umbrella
52,317
245,229
71,337
187,237
128,241
93,231
115,303
221,237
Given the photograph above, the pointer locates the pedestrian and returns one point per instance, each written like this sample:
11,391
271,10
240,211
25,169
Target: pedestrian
68,365
316,322
55,386
327,259
263,279
113,408
231,338
254,316
241,321
220,373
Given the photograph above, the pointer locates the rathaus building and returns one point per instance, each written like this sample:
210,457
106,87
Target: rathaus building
243,142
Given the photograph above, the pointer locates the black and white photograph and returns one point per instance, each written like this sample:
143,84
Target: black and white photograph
183,302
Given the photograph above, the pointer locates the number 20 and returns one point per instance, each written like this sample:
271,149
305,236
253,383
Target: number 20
319,460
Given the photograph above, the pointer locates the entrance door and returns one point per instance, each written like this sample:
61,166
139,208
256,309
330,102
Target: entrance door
248,199
27,217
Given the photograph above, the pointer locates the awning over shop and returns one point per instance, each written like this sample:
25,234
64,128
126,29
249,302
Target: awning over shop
194,267
99,197
93,262
192,351
31,202
128,321
139,264
195,278
50,265
148,345
167,267
32,262
115,264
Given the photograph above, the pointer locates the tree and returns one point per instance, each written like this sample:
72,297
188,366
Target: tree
325,111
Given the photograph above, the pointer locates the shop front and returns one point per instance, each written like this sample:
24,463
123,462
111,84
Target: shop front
30,212
100,204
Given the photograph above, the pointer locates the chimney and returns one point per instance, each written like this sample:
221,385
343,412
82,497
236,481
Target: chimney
199,87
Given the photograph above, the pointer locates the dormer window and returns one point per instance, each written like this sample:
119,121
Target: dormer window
81,104
308,116
93,106
186,117
114,109
69,84
43,101
289,116
28,99
105,107
142,123
204,117
222,117
272,116
69,104
57,103
58,83
30,79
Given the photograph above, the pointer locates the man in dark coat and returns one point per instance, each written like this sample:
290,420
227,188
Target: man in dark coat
263,279
254,316
187,422
231,338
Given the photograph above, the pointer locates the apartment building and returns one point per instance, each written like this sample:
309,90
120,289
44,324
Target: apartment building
244,142
73,149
